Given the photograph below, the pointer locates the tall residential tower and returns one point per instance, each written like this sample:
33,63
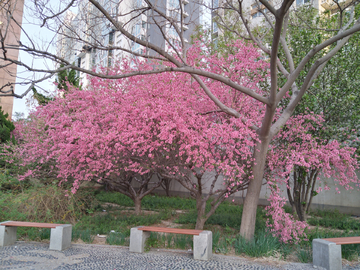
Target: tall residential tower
11,12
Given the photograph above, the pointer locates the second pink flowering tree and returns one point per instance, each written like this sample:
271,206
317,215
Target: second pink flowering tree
298,158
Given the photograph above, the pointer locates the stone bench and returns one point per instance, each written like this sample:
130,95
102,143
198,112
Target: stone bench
327,251
202,240
60,237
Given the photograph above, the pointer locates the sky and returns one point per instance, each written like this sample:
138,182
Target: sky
42,37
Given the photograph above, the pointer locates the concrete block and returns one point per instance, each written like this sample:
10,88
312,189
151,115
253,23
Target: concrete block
326,254
203,246
60,237
137,240
7,235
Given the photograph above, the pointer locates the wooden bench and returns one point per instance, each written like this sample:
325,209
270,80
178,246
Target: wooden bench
60,236
327,251
202,240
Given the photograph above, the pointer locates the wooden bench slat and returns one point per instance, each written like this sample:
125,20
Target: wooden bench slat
29,224
344,240
170,230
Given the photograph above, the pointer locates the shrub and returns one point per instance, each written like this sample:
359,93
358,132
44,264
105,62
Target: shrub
263,244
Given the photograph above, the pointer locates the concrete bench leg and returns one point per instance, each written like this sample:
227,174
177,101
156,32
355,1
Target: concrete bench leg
60,237
326,254
137,240
7,235
203,246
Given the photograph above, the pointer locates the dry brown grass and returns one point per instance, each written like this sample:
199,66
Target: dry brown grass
50,204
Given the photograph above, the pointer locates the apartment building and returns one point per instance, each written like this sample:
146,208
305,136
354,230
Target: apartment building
85,37
12,33
321,5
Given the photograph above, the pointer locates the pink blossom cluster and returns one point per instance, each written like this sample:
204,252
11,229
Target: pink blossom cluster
282,224
156,123
297,146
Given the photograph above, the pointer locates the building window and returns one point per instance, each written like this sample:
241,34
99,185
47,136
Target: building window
176,43
175,15
135,46
256,10
111,38
257,14
138,3
173,4
137,30
215,27
172,32
301,2
215,42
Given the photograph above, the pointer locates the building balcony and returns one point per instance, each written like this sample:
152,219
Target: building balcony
330,4
326,3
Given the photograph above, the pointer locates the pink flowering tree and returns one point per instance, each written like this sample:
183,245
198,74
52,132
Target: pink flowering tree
130,134
120,132
298,157
282,224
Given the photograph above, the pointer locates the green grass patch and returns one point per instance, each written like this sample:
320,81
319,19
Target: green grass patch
227,214
333,219
118,221
304,254
85,235
117,238
263,244
344,223
151,202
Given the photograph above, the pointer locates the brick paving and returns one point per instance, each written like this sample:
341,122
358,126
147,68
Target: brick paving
34,256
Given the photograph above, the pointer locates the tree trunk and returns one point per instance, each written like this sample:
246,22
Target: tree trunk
248,218
200,222
137,202
291,201
166,186
201,217
300,209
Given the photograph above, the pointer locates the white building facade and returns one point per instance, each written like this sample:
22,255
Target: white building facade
90,42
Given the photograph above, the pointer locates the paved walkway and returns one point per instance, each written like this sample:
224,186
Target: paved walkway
34,256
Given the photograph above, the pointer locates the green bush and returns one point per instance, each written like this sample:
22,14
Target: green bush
46,204
11,184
